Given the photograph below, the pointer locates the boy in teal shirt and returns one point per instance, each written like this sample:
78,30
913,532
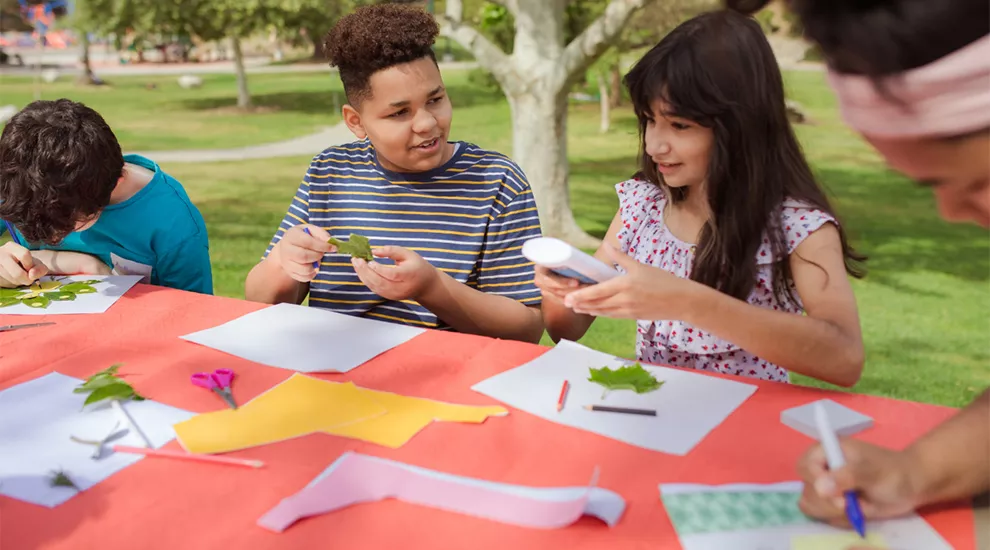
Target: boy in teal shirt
73,204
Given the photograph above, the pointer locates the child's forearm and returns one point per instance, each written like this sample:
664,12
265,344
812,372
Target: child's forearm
953,460
813,347
474,312
63,262
562,322
268,283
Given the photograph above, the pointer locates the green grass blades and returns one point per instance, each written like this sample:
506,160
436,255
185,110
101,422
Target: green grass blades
634,378
358,246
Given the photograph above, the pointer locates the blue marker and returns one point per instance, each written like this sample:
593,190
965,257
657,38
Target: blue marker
12,234
316,265
833,454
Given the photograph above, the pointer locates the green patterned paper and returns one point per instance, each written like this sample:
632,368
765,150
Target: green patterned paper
713,512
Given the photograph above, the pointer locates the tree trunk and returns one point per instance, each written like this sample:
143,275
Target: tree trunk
243,95
615,97
539,145
87,77
604,102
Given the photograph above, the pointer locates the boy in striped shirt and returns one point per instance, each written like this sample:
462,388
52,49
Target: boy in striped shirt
447,219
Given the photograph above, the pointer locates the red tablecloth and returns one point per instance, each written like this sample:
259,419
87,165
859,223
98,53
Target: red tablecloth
160,503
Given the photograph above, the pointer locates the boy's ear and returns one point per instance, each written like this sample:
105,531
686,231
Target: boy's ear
352,119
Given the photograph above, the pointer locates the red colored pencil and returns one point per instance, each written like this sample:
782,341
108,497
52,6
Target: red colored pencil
563,394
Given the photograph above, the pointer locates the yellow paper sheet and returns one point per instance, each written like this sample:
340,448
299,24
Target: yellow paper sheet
841,541
299,406
407,416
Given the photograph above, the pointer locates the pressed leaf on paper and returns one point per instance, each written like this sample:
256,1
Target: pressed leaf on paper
633,377
358,246
106,385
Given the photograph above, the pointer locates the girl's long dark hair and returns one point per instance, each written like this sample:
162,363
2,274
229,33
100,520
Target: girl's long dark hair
718,70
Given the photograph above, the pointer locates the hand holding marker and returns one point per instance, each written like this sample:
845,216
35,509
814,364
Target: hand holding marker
833,453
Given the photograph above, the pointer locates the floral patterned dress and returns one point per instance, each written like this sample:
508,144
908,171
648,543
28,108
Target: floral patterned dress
645,237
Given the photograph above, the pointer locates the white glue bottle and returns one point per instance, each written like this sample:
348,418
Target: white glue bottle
567,261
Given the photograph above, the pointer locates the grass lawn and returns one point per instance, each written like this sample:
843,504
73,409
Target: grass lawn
923,306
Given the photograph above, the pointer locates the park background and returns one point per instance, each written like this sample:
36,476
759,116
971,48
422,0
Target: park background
232,98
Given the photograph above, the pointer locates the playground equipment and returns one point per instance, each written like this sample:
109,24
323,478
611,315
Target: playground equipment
41,16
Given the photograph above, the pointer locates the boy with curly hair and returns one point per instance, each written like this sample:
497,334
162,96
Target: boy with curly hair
74,204
447,218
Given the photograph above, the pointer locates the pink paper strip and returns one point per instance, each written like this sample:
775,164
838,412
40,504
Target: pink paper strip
357,478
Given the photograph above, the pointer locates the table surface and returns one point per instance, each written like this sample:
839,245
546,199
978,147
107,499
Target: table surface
179,504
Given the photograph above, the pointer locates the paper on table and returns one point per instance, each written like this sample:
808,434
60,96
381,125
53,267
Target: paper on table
688,405
713,517
838,541
38,418
355,478
843,420
304,339
406,416
108,291
298,406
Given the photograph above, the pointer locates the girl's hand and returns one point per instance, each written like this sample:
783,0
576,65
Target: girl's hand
554,285
644,292
410,277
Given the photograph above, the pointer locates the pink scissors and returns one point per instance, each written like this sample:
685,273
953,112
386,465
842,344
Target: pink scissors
217,381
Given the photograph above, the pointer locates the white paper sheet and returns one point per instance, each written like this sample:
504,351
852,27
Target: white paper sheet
842,419
304,339
108,291
36,420
688,405
907,533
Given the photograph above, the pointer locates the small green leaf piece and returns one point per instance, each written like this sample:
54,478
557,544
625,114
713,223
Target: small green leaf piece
358,246
634,378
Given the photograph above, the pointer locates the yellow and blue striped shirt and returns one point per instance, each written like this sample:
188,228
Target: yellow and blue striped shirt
469,218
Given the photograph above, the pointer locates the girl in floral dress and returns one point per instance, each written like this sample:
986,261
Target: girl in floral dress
733,260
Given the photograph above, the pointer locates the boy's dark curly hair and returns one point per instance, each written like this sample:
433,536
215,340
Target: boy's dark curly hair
377,37
59,162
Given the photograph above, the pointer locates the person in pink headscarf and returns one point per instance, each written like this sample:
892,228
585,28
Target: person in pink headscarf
913,78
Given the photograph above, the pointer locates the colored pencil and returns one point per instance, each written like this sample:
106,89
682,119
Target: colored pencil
13,236
603,408
563,395
189,456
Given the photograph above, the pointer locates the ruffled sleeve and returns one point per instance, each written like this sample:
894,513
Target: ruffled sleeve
798,220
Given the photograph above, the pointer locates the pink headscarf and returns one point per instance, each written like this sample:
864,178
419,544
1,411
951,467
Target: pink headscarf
950,96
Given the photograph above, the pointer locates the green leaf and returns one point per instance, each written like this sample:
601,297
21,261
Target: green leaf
12,292
60,479
60,296
96,382
358,246
81,287
634,378
37,302
4,302
117,390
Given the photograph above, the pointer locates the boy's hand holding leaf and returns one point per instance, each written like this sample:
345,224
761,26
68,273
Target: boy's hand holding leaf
409,278
633,377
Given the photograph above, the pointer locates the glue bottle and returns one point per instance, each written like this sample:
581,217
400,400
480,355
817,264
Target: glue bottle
567,261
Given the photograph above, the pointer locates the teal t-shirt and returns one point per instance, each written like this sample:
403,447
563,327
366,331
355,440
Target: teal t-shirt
157,233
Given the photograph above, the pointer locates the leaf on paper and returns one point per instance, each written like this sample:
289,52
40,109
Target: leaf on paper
634,378
106,385
60,479
41,294
358,246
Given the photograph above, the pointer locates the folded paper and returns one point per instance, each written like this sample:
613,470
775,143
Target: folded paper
355,478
